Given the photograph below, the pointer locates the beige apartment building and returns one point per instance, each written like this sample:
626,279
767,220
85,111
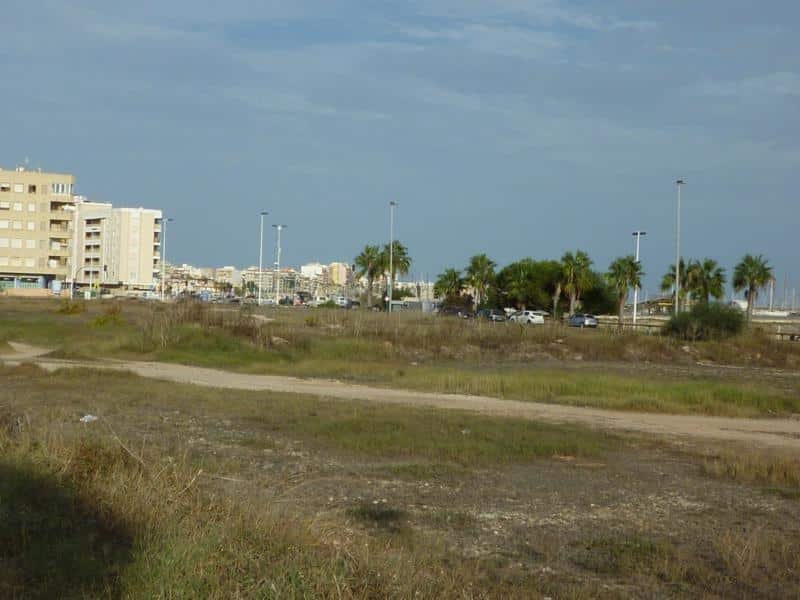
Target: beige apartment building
117,247
36,216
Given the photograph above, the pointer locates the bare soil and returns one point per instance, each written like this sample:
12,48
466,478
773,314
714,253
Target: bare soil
779,433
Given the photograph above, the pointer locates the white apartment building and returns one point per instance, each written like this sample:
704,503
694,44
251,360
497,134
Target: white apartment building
116,247
313,270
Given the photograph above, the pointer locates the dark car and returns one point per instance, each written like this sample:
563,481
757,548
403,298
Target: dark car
491,314
456,311
582,320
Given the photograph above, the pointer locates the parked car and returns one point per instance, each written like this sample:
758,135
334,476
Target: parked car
491,314
456,311
531,317
582,320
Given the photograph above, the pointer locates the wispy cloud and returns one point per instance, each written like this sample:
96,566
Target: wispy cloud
783,83
502,40
541,12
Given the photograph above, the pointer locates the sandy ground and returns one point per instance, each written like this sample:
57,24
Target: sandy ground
780,433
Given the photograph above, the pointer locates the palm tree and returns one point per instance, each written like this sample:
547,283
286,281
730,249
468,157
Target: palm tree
558,285
369,266
401,261
480,275
668,281
577,276
751,274
706,279
449,284
624,274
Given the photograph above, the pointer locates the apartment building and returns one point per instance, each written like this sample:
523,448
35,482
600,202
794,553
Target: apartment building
339,273
117,247
36,216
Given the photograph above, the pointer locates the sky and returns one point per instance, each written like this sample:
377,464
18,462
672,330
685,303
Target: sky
511,127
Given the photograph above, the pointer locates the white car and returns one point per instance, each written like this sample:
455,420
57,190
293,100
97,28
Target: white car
531,317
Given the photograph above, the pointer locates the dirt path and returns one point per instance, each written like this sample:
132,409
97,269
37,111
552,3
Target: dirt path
775,433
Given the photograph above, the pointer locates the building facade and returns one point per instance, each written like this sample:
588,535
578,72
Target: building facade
117,247
36,228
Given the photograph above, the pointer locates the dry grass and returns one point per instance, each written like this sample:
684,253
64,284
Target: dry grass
102,510
414,351
776,471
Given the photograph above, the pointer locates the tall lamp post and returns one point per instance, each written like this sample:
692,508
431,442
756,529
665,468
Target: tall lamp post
163,253
392,206
679,183
637,235
278,228
263,214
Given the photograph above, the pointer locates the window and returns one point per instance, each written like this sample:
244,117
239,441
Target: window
3,242
31,226
18,206
5,205
16,243
31,206
31,189
30,244
18,225
5,187
3,224
30,262
18,188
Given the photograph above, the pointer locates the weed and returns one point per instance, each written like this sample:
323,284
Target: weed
71,307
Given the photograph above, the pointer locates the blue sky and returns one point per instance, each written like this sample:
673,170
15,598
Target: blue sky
514,127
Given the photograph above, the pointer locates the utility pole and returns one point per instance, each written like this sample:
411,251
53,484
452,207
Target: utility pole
163,254
679,183
637,234
263,214
392,206
278,228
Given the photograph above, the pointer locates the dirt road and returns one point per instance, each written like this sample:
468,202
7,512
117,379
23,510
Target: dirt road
783,433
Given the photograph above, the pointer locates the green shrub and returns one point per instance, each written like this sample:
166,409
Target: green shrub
72,307
111,316
706,322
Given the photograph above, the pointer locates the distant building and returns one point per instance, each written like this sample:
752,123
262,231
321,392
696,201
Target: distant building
339,273
117,247
313,270
228,276
36,215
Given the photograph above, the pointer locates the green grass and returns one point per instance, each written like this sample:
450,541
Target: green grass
90,512
368,350
88,516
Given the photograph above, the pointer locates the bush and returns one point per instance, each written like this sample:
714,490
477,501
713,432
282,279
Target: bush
71,307
706,322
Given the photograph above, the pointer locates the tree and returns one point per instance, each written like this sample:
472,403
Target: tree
480,275
706,279
751,274
668,281
369,265
401,261
623,274
576,276
558,284
449,285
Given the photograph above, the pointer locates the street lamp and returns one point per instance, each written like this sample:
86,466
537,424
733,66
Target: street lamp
163,253
637,235
392,206
679,183
278,228
263,214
